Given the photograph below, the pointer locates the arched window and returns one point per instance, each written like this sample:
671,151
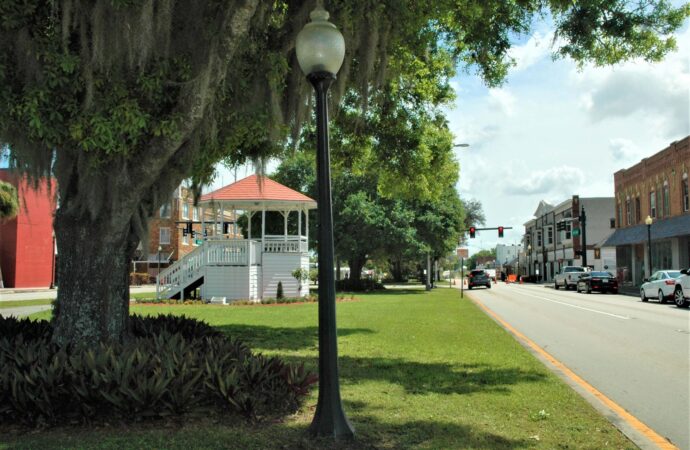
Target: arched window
667,199
685,195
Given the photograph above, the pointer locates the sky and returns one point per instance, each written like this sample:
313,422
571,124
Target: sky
552,130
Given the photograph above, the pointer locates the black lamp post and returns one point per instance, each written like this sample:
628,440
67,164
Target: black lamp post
649,221
320,52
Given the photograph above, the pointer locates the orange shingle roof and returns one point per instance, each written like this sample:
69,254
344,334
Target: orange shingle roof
251,189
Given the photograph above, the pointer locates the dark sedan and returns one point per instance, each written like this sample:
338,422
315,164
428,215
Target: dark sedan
597,281
478,278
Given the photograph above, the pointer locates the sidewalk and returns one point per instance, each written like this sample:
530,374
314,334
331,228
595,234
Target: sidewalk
49,294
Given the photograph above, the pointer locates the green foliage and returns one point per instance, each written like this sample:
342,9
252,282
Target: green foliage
169,366
363,285
300,274
9,202
279,291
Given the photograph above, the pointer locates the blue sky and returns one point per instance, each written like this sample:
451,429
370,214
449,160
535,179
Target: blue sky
552,130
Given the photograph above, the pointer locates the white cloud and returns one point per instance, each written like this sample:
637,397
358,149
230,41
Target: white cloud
537,47
624,150
503,100
556,181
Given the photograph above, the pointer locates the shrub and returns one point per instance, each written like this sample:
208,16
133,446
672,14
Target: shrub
279,291
169,365
138,278
361,285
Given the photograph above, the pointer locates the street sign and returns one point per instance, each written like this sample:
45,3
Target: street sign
463,252
199,241
576,231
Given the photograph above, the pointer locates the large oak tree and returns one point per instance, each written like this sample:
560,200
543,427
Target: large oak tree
123,99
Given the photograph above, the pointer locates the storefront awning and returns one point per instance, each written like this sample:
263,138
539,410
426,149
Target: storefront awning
661,229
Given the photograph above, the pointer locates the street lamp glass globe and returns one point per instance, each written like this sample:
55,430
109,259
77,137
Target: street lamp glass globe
320,46
648,220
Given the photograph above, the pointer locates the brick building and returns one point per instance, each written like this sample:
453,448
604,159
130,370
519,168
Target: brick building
656,187
166,231
27,247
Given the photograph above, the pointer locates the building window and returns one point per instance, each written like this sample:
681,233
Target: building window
164,236
165,210
620,214
652,204
613,223
185,239
667,200
549,235
686,193
638,212
195,213
185,210
628,212
568,230
538,238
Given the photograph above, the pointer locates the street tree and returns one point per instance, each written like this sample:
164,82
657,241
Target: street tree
121,100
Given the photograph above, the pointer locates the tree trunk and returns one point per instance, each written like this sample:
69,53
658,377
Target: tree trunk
356,265
396,269
93,299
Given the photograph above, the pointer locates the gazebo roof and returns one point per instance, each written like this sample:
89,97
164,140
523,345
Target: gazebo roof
257,193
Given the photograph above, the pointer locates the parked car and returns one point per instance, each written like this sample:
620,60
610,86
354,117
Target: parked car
597,281
681,294
661,285
568,277
478,278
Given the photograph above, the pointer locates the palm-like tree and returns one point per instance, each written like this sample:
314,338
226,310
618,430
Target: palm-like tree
9,207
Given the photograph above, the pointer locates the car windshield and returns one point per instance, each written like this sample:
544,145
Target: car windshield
574,269
673,273
602,274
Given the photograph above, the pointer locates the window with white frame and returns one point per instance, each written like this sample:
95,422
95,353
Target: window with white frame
165,210
685,193
652,204
164,236
195,213
185,239
538,238
185,210
549,235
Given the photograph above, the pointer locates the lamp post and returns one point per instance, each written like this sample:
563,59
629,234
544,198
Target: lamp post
320,52
529,268
649,222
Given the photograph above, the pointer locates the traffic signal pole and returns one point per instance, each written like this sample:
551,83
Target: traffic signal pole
583,225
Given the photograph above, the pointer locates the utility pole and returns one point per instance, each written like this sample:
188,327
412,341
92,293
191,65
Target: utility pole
583,226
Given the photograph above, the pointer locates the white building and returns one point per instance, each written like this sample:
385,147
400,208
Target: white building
549,249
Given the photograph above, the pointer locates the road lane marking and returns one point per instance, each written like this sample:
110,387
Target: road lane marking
635,423
578,307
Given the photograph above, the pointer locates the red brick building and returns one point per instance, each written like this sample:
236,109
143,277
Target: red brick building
26,242
656,187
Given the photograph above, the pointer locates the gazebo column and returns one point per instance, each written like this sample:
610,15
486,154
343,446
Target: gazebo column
299,224
306,217
222,220
234,222
285,221
263,228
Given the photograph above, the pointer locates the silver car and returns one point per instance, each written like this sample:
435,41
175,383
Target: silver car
660,285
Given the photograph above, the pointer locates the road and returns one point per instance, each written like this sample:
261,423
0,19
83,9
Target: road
635,353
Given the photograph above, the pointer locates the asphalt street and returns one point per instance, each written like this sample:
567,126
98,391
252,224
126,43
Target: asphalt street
635,353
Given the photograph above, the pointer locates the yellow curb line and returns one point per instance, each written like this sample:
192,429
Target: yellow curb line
633,421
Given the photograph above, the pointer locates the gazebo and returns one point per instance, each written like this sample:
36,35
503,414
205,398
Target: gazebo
227,265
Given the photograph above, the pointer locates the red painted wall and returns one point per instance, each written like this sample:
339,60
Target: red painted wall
26,243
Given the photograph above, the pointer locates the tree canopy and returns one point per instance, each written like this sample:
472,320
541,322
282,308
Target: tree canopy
123,99
9,201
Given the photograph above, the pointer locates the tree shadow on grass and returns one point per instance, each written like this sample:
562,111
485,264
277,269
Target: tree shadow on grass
438,378
281,338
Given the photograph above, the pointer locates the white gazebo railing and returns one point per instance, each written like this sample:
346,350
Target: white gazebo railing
285,244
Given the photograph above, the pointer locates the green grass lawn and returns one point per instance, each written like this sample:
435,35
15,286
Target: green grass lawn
47,301
418,370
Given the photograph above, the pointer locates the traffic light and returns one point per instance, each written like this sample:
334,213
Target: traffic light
500,232
560,226
473,230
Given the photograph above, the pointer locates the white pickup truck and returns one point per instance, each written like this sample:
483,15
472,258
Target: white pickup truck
568,277
681,294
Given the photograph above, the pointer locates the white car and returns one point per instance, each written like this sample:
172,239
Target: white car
681,296
568,277
660,286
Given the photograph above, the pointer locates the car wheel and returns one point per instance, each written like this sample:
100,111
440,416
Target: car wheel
488,286
679,298
661,297
614,291
589,288
642,296
555,285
